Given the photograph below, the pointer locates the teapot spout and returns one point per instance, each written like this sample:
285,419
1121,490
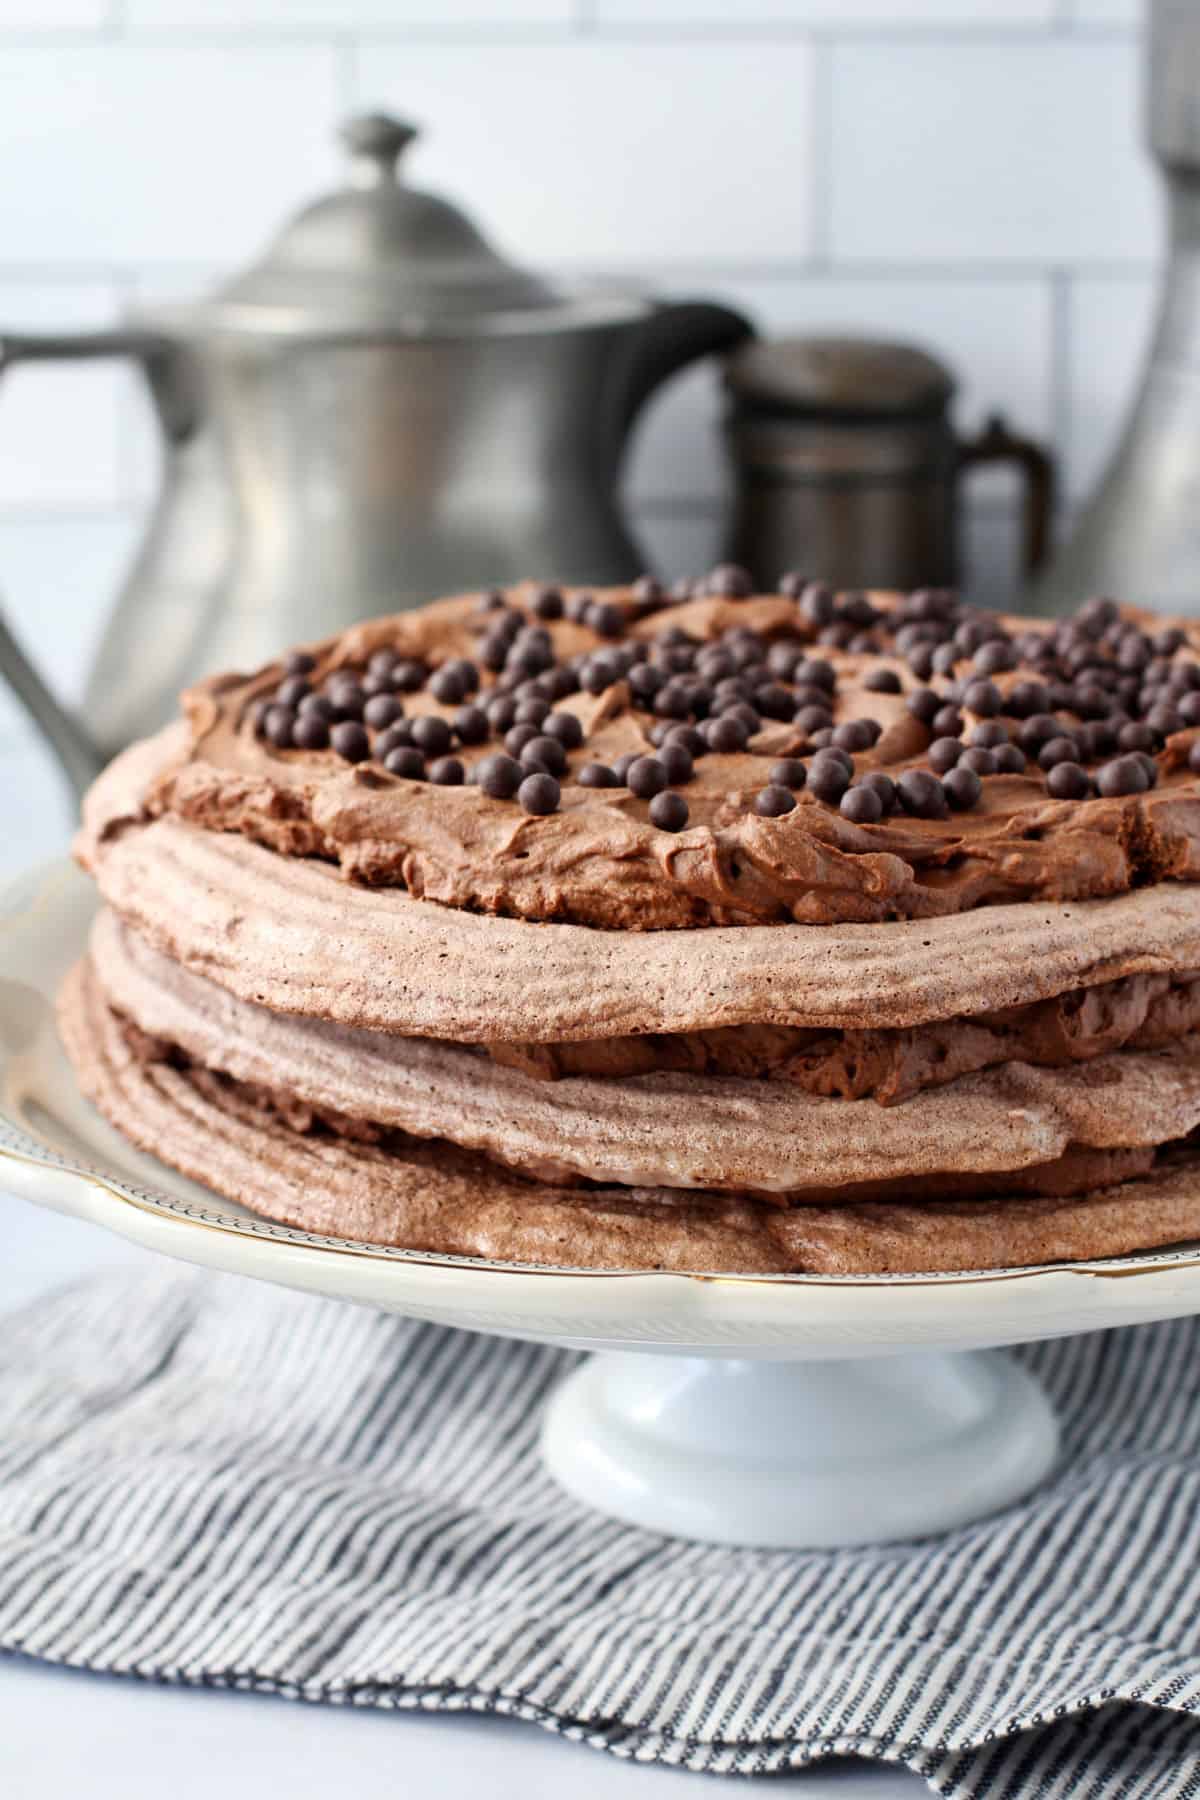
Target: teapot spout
79,757
675,334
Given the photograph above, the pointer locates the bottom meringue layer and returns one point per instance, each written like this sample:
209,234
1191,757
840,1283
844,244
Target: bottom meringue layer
433,1196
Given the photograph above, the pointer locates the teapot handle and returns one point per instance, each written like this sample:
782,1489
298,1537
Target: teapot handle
675,334
80,759
996,443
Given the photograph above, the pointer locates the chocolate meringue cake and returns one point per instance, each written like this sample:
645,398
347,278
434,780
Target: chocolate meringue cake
704,930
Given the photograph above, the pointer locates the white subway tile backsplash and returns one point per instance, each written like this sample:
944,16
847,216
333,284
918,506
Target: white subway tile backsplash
977,15
996,152
60,422
1106,12
346,15
591,151
1109,329
59,576
995,334
121,154
35,16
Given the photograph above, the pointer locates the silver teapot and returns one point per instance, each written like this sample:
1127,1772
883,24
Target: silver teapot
380,410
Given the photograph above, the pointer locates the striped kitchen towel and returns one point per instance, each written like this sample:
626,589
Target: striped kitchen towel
207,1482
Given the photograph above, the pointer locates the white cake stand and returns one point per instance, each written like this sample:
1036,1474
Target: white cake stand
785,1411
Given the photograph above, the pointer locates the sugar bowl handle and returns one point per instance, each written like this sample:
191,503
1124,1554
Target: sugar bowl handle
997,444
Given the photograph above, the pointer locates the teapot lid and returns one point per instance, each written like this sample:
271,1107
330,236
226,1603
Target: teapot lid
380,256
847,376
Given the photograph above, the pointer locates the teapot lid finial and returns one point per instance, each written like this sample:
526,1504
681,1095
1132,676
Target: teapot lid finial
376,142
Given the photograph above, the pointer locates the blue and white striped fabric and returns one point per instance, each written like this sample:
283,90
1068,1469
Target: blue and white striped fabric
207,1482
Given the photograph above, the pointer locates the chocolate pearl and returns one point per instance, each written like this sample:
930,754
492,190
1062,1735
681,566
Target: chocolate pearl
827,780
520,735
405,761
1025,699
1167,642
791,584
857,609
673,701
1091,702
432,735
816,604
669,812
730,582
1149,765
922,794
447,771
648,591
470,725
599,673
623,765
646,777
348,700
1189,709
677,763
320,706
820,740
278,725
924,703
1037,730
819,673
292,691
725,735
493,652
448,686
838,637
544,753
1068,781
988,736
812,718
525,660
1058,750
982,761
830,755
920,661
943,659
396,737
499,776
772,802
501,712
1164,720
784,657
1096,614
1125,775
689,737
350,741
566,728
880,784
789,772
547,603
962,788
882,681
532,710
382,710
597,775
1097,740
855,735
299,662
944,753
539,794
490,600
1194,758
645,681
310,732
1134,652
947,721
605,618
982,698
774,701
994,656
862,806
1135,736
1009,760
408,675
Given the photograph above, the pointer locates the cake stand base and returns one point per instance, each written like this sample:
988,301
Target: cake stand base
799,1454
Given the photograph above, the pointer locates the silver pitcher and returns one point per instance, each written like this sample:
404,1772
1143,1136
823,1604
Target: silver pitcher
380,410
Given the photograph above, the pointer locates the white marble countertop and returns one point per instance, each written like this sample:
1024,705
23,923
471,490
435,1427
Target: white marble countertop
66,1734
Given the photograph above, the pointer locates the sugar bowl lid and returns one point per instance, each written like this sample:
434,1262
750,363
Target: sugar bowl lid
379,257
836,377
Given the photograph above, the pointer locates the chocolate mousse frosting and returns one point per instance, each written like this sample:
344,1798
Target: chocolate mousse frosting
702,930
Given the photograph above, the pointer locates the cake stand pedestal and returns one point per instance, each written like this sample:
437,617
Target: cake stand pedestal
800,1454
